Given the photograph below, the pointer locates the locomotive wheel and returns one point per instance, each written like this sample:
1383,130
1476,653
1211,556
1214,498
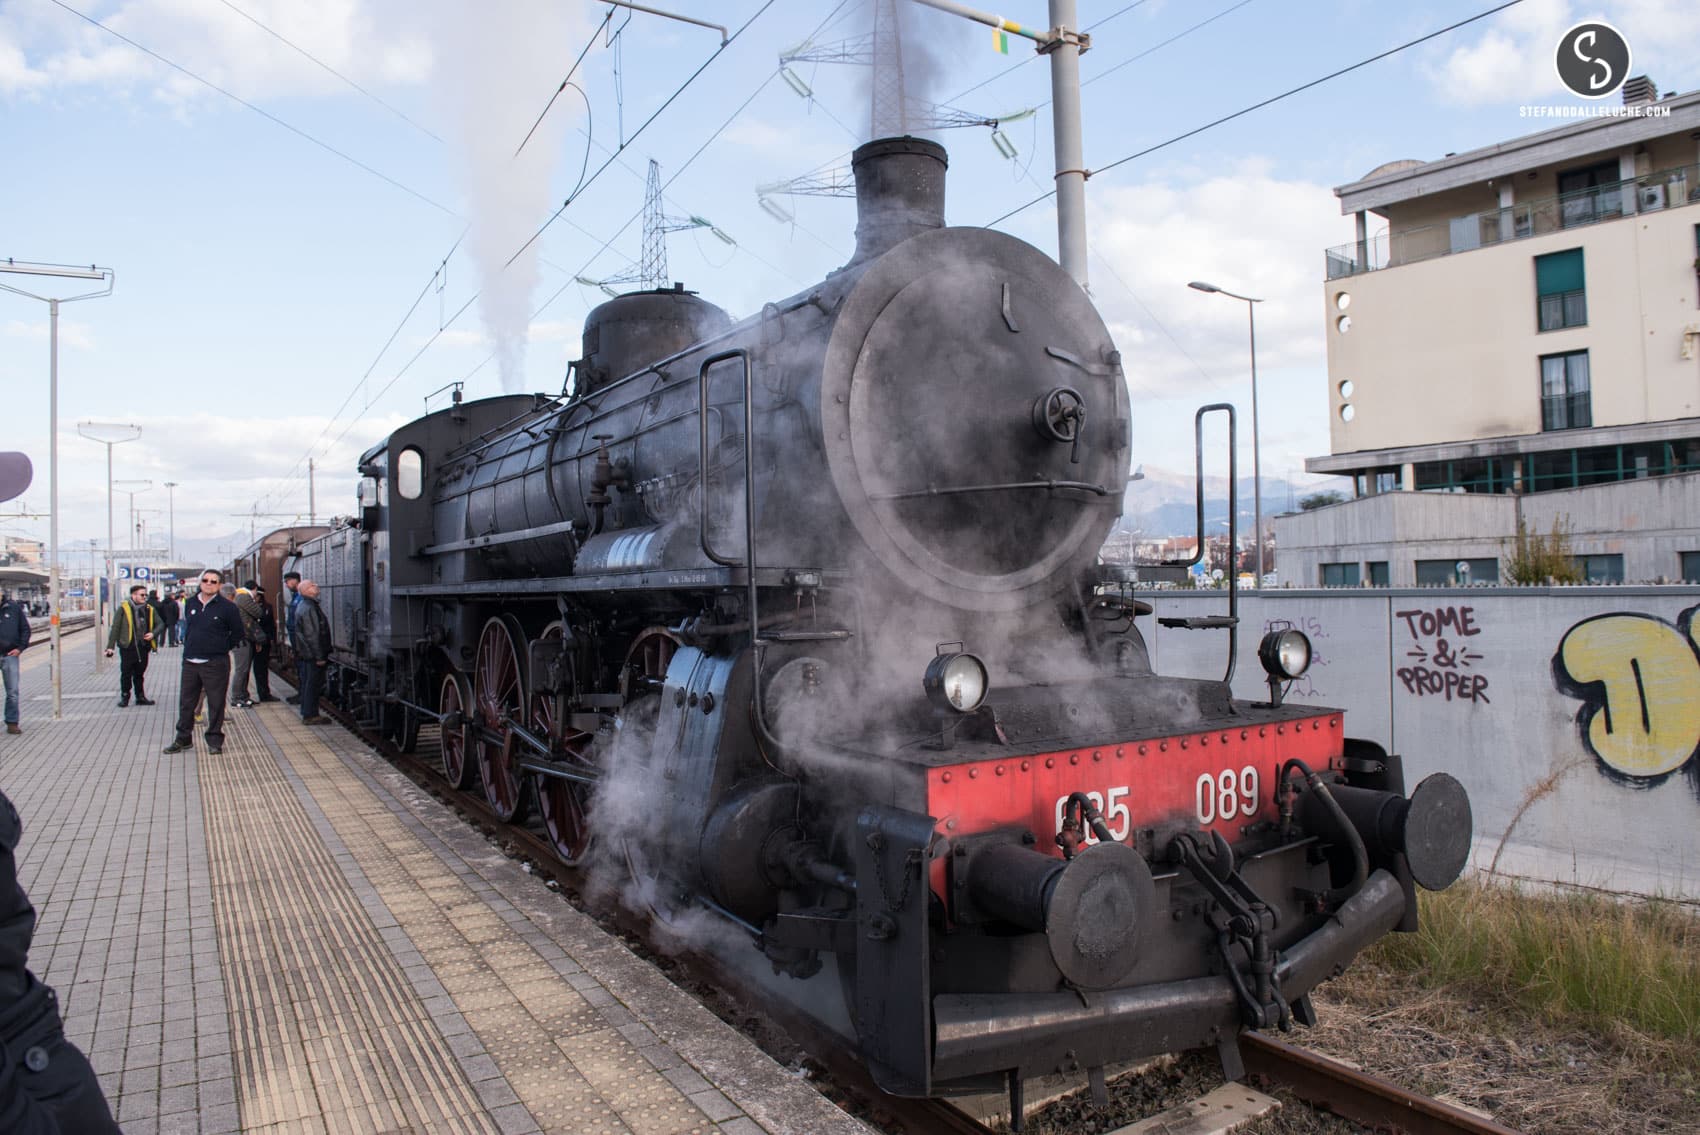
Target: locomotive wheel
647,661
498,695
563,805
454,700
401,724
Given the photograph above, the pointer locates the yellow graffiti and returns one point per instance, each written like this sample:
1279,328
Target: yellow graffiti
1649,721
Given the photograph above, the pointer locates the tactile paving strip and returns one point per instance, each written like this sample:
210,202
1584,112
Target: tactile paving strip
557,1038
329,1033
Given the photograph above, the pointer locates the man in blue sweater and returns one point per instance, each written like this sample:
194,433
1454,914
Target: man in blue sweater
214,630
14,636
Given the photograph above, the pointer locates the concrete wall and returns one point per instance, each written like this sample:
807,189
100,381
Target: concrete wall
1578,707
1649,522
1447,349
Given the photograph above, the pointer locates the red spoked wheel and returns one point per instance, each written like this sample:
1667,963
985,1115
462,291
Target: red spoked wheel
453,702
647,661
498,697
562,804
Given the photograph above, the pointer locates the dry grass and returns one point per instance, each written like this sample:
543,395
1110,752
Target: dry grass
1579,959
1558,1015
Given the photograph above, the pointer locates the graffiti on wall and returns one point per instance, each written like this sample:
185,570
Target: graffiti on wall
1443,663
1638,678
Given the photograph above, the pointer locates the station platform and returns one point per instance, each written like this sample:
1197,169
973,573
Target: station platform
292,937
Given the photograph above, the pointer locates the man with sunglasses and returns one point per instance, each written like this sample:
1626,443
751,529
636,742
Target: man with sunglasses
214,629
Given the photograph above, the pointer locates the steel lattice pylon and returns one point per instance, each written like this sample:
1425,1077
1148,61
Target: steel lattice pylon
652,271
890,96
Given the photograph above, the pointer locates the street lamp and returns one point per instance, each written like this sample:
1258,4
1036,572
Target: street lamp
108,434
171,520
1256,448
133,488
65,272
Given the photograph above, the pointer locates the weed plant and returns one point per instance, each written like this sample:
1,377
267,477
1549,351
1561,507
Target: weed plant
1572,958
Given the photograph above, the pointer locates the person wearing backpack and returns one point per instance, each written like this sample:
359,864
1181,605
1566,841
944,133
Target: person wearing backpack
253,627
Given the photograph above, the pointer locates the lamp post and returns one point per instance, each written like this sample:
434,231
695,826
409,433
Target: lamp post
171,521
61,271
133,488
1256,448
108,434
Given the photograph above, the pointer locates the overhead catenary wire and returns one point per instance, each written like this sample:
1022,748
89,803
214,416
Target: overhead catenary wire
327,67
1242,112
692,78
261,111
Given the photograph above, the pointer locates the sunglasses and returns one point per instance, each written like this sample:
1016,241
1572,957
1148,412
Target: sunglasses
209,581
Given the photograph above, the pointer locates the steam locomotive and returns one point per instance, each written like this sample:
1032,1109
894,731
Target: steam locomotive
797,620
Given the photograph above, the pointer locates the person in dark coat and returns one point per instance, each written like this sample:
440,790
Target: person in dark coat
169,612
14,636
215,628
134,635
46,1084
263,645
312,647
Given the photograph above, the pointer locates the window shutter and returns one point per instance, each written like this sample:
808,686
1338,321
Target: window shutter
1559,272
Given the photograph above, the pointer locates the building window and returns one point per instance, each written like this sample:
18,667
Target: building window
1378,575
1445,573
410,473
1565,403
1464,475
1601,569
1691,567
1594,193
1339,575
1561,297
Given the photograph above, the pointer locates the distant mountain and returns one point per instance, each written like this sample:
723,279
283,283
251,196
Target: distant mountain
1164,503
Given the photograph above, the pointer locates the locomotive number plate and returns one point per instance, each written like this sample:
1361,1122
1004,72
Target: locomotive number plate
1226,795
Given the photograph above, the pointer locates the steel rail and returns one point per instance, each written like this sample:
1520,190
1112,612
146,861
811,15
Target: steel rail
1331,1086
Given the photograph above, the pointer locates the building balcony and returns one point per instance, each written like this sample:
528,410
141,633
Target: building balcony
1538,216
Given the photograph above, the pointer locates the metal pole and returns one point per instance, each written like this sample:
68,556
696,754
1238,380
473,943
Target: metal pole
171,521
1071,162
111,568
312,507
1256,445
53,501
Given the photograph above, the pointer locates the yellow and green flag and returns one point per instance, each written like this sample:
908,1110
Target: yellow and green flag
1000,41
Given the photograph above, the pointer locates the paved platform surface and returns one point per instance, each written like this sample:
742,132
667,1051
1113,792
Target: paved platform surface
292,937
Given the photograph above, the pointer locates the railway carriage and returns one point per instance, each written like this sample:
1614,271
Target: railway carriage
797,620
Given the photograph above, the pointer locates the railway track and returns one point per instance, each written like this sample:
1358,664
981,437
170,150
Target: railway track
1320,1082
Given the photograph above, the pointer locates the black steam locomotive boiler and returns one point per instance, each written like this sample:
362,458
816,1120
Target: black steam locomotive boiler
796,619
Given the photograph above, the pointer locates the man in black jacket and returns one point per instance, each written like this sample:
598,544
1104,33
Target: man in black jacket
134,635
14,636
312,648
46,1084
169,614
215,627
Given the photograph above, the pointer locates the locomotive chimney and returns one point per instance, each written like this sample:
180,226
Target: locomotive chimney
899,192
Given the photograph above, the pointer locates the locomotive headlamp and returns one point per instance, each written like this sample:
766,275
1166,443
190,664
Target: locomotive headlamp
1285,654
956,682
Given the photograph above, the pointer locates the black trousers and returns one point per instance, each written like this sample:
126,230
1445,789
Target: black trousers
209,678
263,670
132,666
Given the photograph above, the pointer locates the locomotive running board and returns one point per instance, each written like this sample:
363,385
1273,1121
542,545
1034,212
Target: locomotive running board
1036,1033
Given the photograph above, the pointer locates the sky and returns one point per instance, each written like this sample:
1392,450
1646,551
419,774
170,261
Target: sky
312,207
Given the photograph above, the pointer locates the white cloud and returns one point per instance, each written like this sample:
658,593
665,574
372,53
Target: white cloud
70,334
1512,61
1243,230
372,42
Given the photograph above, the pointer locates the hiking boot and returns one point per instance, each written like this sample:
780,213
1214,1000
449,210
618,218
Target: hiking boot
176,747
123,701
215,750
316,719
140,700
293,699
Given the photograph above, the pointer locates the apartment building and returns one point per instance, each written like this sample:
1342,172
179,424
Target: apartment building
1515,336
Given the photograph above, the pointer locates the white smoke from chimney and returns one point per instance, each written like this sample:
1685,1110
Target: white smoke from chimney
497,66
